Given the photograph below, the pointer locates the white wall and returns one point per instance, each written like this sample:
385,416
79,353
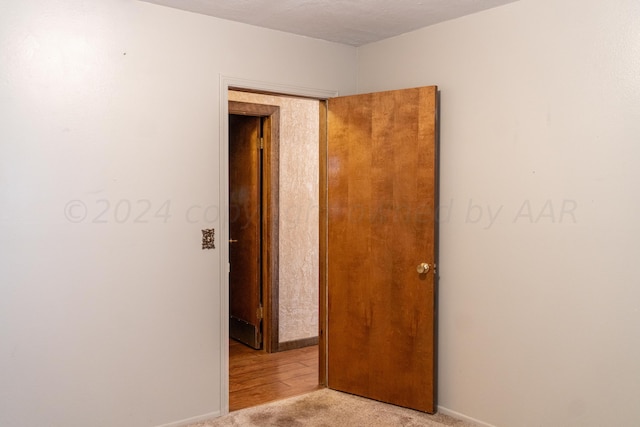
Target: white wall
106,105
539,313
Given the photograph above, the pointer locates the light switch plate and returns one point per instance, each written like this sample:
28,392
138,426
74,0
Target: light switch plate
209,238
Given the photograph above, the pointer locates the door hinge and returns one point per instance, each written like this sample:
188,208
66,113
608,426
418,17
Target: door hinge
261,143
260,313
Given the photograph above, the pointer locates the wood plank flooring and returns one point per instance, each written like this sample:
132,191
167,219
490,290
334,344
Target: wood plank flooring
257,377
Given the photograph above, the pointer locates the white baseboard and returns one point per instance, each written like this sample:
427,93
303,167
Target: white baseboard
458,415
192,420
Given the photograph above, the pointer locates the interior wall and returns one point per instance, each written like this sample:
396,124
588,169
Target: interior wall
109,146
299,209
540,124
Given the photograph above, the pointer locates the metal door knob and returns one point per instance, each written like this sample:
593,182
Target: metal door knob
423,267
233,241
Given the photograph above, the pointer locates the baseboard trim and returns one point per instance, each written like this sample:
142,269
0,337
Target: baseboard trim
192,420
458,415
292,345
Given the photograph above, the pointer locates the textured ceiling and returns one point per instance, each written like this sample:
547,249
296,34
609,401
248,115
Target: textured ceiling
353,22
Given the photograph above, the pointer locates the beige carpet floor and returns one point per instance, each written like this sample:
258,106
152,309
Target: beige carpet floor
329,408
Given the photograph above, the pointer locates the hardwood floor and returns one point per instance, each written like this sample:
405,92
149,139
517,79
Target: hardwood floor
257,377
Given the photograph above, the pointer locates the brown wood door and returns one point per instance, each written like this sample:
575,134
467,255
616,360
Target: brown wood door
244,229
381,170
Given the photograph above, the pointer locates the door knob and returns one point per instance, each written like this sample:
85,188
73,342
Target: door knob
423,267
233,241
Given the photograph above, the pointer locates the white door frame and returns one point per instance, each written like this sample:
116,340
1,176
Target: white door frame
227,82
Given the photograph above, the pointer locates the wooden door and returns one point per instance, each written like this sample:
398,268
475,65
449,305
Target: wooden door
381,171
244,229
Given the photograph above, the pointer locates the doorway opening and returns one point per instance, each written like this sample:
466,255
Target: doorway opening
285,270
227,84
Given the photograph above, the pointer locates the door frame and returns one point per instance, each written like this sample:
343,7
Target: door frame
227,83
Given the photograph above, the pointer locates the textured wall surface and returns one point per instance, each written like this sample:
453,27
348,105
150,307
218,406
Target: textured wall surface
298,212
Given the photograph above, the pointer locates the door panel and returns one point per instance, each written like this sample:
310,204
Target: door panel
381,172
244,229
